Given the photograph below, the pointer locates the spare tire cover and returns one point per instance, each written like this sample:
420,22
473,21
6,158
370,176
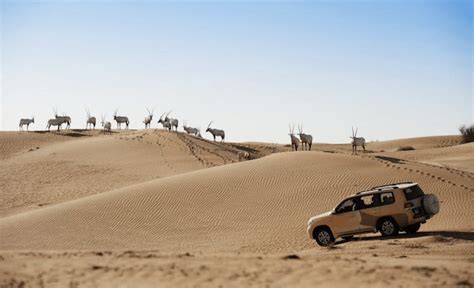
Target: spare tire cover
431,204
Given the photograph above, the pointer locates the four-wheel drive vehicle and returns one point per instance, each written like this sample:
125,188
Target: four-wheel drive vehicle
388,209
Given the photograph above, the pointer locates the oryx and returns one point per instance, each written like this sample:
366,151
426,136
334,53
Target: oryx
120,120
357,141
55,122
169,123
106,125
26,122
190,130
91,121
306,140
243,155
148,119
67,119
295,142
215,132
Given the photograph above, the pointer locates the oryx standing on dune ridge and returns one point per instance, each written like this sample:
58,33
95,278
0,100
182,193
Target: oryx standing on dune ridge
295,142
148,119
190,130
55,122
67,119
306,140
166,124
215,132
26,122
169,123
357,141
106,125
120,120
91,121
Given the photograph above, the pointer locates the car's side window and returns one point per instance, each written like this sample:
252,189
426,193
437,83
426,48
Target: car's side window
364,202
387,198
345,206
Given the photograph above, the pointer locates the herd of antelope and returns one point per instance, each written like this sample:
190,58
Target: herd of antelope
171,124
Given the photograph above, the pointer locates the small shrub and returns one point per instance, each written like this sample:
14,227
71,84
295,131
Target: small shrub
467,133
405,148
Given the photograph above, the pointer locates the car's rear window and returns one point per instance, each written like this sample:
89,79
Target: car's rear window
413,192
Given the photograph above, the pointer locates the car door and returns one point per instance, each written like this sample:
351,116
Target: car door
346,220
370,212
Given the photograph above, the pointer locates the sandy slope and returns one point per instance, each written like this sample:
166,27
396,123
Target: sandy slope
255,206
153,207
66,168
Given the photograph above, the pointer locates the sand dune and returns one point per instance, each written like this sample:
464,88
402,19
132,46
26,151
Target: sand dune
146,207
256,206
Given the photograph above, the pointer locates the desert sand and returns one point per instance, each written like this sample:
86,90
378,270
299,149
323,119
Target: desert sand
153,208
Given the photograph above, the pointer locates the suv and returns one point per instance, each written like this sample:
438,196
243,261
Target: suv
388,209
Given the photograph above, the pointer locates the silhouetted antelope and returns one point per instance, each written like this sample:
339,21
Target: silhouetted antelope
295,142
215,132
67,119
26,122
106,125
306,140
357,141
55,122
120,120
91,121
148,119
190,130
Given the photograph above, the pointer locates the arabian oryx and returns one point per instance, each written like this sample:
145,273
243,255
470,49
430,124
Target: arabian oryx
26,122
120,120
295,142
169,123
91,121
191,130
357,141
243,155
148,119
106,125
306,140
67,119
216,132
55,122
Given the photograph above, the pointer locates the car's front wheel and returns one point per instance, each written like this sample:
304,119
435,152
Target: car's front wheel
412,229
323,237
388,227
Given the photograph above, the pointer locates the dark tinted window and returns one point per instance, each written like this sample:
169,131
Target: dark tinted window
413,192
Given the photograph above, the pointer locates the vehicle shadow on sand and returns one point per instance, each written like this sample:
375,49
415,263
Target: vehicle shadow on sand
460,235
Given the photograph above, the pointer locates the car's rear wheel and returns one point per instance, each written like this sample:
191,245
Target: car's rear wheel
388,227
412,229
323,237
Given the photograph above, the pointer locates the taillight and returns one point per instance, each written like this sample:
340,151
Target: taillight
409,205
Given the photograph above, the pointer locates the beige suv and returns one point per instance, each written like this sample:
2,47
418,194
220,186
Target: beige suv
388,209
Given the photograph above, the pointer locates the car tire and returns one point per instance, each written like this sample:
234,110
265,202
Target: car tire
388,227
412,229
323,237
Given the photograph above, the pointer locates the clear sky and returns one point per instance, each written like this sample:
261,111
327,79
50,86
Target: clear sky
394,69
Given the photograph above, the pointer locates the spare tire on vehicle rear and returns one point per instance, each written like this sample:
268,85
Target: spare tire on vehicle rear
431,204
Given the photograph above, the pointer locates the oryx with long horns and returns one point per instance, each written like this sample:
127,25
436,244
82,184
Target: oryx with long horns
169,123
215,132
306,139
91,121
149,118
190,130
106,125
295,142
120,120
67,119
357,141
26,122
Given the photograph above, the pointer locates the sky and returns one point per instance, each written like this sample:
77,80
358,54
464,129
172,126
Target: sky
394,69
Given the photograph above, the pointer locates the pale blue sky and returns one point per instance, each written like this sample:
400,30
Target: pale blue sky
394,69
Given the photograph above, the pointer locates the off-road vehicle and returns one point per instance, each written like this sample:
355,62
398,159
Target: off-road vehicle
388,209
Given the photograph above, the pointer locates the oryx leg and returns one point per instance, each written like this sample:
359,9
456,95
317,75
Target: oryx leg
363,147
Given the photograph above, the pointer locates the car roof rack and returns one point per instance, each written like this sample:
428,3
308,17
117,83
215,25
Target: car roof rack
391,185
380,188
